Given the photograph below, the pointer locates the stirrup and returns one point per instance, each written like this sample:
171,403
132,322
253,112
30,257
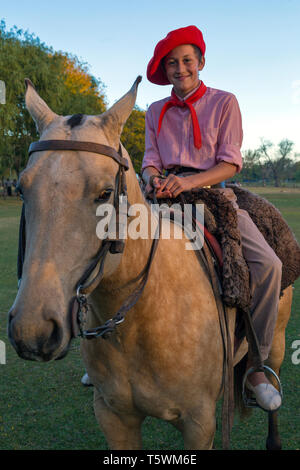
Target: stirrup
250,402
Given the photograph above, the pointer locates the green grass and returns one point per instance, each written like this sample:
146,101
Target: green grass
44,406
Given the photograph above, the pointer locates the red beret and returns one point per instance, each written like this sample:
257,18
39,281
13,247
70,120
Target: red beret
187,35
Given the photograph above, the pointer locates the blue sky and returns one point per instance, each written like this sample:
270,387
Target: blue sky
253,50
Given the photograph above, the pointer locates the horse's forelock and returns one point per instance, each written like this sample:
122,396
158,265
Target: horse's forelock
76,120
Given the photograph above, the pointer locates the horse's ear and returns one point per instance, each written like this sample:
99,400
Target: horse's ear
114,119
38,109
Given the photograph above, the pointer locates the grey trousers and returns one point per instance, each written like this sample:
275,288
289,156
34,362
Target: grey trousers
265,277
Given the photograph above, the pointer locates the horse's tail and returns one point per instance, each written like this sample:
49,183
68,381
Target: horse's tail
239,372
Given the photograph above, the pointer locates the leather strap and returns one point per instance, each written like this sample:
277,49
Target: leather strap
88,287
22,244
42,145
253,344
151,179
228,378
108,327
207,256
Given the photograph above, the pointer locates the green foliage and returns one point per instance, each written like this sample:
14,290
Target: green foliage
60,78
270,164
297,171
277,161
64,82
133,137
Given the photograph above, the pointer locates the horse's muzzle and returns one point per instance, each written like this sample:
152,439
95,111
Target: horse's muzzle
40,341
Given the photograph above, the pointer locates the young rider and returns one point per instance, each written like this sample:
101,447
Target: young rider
200,128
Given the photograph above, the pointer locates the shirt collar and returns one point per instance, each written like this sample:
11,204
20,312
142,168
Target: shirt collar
190,93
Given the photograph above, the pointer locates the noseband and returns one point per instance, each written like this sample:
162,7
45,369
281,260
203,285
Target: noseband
83,287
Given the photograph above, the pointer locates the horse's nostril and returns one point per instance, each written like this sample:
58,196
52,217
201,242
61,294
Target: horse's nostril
56,335
48,343
41,341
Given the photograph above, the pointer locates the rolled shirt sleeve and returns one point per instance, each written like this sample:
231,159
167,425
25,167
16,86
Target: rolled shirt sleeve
151,156
230,135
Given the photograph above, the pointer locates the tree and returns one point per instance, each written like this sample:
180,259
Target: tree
83,93
60,78
297,170
133,137
278,161
64,82
251,164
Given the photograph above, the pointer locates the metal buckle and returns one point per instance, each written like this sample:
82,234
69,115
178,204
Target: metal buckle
103,331
251,402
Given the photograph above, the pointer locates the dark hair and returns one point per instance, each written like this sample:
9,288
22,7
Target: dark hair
197,52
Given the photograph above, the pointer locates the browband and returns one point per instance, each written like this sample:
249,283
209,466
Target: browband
42,145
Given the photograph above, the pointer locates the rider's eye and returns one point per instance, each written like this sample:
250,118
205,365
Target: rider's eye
104,195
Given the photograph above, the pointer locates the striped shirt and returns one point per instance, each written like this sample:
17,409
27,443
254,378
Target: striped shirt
220,123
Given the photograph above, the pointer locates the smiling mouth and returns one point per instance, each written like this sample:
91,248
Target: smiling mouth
182,78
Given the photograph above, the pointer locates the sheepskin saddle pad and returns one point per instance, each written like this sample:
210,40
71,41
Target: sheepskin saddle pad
220,219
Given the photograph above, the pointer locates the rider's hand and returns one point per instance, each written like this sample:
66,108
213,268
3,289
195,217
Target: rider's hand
176,185
156,186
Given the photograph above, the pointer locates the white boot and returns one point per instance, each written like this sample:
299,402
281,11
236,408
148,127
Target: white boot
267,396
86,381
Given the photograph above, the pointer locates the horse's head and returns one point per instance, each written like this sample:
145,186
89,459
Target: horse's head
62,190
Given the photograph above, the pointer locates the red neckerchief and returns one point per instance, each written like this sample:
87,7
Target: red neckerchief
175,101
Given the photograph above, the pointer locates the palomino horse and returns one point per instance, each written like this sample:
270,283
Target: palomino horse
166,359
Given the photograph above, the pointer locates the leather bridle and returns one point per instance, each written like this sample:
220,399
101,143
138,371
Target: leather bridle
85,286
80,146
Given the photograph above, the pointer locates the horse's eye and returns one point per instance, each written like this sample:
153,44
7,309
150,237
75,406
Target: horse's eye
104,195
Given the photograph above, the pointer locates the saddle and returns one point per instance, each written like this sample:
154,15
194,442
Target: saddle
222,234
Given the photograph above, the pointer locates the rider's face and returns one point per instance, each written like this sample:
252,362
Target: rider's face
182,65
